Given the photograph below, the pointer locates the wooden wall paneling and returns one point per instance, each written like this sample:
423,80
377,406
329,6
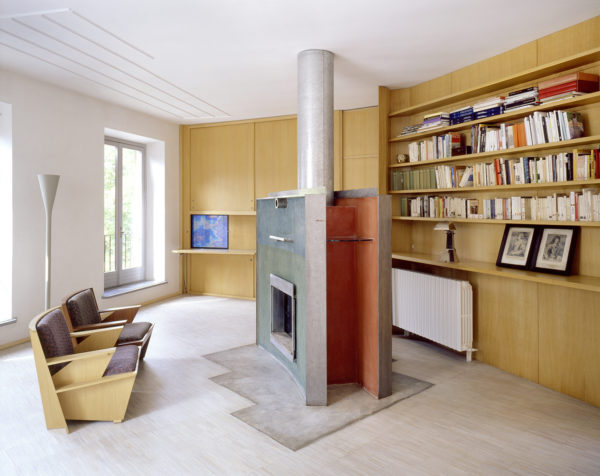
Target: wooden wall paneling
580,37
242,232
588,253
401,236
397,99
568,339
338,166
360,136
222,275
360,132
275,156
431,89
184,142
505,64
222,167
476,242
384,136
506,324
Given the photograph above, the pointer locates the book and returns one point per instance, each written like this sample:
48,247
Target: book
579,76
558,97
578,86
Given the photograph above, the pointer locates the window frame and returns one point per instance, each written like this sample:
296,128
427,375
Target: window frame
120,277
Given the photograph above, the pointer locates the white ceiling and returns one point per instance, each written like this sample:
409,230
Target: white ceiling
192,61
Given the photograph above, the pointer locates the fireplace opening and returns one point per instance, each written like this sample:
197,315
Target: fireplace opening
283,316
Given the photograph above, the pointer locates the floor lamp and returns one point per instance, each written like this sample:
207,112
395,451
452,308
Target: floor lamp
48,186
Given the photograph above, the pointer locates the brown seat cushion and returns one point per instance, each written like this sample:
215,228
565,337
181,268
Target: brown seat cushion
123,360
83,309
134,331
55,338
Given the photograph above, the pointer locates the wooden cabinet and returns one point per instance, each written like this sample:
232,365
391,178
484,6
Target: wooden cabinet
540,326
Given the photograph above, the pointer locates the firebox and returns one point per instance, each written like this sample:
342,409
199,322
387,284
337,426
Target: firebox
283,316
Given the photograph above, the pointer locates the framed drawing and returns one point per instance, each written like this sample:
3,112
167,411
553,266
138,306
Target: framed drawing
516,247
554,249
210,231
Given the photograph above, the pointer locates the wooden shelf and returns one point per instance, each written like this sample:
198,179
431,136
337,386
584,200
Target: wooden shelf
525,150
490,221
522,186
223,212
590,98
575,61
586,283
205,251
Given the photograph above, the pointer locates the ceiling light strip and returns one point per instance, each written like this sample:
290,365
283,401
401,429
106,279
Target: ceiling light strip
100,61
70,30
90,79
140,91
33,14
162,79
110,33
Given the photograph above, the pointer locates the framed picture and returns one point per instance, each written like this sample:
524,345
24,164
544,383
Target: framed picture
210,231
554,249
516,247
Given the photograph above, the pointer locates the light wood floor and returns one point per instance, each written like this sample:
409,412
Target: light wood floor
475,420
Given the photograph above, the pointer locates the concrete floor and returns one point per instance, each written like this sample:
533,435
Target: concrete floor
474,420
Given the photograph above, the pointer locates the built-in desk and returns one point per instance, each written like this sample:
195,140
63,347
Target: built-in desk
206,251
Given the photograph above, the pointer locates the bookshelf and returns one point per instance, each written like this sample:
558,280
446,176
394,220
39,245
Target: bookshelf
536,325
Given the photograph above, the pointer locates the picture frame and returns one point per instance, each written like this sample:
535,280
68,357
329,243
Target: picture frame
554,249
516,248
210,231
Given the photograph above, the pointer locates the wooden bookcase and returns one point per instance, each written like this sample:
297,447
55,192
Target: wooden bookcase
543,327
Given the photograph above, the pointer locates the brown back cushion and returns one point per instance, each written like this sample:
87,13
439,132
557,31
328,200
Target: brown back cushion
54,336
83,309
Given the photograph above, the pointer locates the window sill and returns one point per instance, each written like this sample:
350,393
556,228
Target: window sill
8,321
130,288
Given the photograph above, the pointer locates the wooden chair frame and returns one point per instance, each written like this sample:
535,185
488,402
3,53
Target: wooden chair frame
79,391
116,316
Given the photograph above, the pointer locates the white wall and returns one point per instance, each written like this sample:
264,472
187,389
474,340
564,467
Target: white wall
61,132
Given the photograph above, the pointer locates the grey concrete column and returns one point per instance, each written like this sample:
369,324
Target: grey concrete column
315,121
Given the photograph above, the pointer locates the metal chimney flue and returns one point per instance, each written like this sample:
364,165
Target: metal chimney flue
315,121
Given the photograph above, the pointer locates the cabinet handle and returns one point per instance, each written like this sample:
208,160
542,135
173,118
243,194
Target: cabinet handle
280,238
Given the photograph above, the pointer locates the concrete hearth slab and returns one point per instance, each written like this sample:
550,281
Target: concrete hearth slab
279,409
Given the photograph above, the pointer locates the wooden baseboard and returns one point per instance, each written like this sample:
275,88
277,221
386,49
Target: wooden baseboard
12,344
245,298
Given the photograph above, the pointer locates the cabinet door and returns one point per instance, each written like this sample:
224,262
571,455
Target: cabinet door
222,168
276,162
360,148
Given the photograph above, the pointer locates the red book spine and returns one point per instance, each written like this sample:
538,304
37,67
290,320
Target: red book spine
568,78
575,86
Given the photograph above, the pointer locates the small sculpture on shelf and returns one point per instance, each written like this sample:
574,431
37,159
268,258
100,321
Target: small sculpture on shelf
448,255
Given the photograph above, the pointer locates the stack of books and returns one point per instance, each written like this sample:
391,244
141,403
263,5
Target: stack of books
568,86
459,116
434,120
488,107
410,129
521,98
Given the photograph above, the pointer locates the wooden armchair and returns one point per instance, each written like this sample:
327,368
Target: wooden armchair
89,381
81,313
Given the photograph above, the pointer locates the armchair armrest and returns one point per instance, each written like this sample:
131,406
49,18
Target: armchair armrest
100,325
120,313
100,330
84,355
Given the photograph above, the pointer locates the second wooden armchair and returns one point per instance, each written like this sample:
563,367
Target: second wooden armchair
81,313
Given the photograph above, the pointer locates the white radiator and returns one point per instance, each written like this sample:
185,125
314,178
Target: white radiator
439,309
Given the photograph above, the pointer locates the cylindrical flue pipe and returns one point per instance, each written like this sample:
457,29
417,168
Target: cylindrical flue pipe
315,121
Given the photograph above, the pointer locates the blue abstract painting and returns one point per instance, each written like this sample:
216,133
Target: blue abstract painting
210,231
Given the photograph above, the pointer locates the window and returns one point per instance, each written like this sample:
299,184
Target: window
6,214
124,213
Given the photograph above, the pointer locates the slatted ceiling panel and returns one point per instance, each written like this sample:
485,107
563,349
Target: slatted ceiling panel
91,53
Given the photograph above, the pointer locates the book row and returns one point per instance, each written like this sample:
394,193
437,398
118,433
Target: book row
562,167
437,147
576,206
538,128
570,85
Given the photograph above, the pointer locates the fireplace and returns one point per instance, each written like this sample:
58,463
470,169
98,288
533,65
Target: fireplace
283,316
